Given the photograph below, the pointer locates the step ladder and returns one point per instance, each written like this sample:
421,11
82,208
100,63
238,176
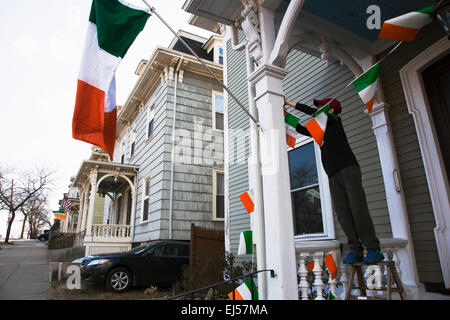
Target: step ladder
391,274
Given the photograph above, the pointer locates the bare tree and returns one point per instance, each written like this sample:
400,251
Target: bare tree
35,214
18,189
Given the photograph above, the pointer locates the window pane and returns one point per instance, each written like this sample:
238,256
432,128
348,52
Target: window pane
147,187
150,128
220,206
220,183
218,103
307,211
145,213
219,121
302,166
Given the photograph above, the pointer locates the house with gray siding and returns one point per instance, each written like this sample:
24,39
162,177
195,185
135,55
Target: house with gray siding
304,50
167,172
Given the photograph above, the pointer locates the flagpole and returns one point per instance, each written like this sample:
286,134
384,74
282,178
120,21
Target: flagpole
153,11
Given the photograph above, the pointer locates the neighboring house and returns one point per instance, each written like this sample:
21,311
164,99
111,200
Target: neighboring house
305,50
161,180
70,224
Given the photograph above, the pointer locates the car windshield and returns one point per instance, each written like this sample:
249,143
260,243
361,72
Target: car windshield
142,248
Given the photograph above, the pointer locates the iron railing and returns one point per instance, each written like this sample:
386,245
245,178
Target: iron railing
235,283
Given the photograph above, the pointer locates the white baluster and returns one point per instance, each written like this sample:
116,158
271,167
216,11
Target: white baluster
343,278
303,272
396,262
318,283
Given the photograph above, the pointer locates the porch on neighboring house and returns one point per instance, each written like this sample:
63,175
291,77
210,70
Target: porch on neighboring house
107,205
287,38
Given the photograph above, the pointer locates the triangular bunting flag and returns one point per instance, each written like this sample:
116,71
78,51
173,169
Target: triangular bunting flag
317,125
331,265
366,85
407,26
247,201
244,291
245,243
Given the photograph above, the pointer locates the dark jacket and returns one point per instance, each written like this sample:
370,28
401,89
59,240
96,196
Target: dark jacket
335,150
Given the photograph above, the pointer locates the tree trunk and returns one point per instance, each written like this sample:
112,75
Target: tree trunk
8,231
23,226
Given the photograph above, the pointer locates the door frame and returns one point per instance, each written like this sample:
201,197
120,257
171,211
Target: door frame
419,108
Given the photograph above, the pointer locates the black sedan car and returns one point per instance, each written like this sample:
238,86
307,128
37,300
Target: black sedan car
157,263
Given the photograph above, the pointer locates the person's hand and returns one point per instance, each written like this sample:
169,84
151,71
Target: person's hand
284,112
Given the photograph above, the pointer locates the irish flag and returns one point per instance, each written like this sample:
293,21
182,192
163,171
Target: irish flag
113,27
245,243
407,26
247,201
317,125
291,122
61,215
366,85
244,291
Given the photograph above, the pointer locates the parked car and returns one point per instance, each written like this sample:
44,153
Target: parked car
44,236
157,263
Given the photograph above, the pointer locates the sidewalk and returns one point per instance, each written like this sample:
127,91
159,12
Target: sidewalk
24,271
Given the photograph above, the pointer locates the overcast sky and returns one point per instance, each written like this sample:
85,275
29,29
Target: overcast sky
42,42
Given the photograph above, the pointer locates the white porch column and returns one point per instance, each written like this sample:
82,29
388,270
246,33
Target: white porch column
280,249
90,216
395,197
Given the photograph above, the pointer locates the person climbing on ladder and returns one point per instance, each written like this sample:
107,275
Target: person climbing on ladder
347,193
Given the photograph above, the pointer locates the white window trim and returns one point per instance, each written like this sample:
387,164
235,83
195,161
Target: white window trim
142,221
132,140
214,94
214,193
325,197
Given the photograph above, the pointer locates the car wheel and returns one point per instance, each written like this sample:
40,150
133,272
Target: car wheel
118,280
41,239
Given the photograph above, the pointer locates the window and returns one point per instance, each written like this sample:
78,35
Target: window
146,202
172,250
122,158
218,110
218,194
221,56
133,143
150,121
311,203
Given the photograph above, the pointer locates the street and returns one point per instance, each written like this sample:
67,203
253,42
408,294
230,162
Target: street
24,272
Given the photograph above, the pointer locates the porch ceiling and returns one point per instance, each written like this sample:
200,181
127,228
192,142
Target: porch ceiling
344,21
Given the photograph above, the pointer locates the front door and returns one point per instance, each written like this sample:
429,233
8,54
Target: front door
436,80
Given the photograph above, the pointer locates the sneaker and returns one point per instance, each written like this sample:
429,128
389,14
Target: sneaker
373,256
352,258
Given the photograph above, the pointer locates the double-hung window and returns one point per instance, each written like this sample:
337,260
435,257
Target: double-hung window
218,194
310,196
146,200
218,110
150,121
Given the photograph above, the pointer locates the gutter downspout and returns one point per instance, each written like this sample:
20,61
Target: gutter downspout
254,168
172,168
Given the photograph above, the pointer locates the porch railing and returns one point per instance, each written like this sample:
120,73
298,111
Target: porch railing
315,282
111,232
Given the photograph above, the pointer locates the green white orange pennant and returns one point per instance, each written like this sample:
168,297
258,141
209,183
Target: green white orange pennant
247,201
113,27
407,26
318,124
244,291
366,85
245,243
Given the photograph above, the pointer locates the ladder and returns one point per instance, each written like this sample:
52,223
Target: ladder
391,275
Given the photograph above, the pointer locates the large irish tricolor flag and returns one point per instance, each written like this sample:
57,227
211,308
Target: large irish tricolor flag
407,26
113,27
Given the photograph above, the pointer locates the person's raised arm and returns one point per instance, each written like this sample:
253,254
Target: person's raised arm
300,106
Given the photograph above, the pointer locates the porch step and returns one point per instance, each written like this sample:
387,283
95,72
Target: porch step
391,275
